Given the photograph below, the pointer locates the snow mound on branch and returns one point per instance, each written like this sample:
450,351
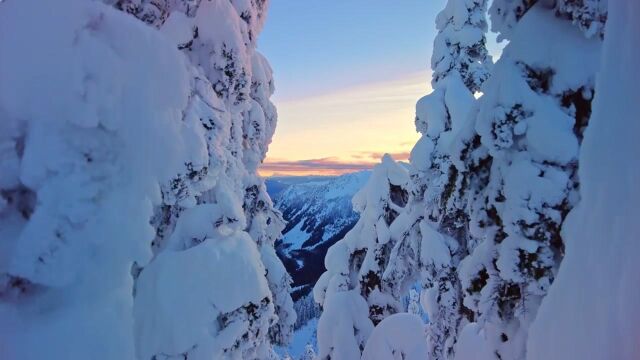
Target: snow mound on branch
472,344
398,337
175,305
344,313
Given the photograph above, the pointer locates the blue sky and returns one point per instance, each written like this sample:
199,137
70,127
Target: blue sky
347,76
318,46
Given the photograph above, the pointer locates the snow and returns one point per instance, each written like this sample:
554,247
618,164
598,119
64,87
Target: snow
344,326
431,114
421,154
294,238
113,247
318,205
592,310
398,337
94,178
434,249
175,306
355,266
111,244
562,147
178,28
303,337
472,344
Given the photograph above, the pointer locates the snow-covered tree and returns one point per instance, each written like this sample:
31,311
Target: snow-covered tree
530,124
356,263
460,43
242,78
496,178
600,270
589,15
99,222
306,309
436,237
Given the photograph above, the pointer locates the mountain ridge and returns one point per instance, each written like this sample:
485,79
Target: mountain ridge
318,212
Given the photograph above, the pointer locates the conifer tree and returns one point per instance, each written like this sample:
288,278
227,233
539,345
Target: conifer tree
356,264
164,236
438,220
239,129
522,166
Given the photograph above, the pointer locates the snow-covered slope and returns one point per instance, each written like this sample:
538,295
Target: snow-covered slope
318,212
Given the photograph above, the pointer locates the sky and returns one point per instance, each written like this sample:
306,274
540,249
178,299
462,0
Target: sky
347,77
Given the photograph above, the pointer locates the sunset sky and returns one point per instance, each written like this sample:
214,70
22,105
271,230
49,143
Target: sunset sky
347,78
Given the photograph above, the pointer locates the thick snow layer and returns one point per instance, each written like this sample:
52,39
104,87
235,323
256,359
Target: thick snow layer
435,247
421,154
175,307
72,80
344,326
472,344
591,311
119,161
398,337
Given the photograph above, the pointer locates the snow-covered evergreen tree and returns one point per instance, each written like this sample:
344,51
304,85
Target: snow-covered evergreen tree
355,264
99,222
242,78
487,181
524,160
589,15
436,238
599,274
460,43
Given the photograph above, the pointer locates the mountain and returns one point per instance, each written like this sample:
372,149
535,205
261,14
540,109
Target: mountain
318,212
276,184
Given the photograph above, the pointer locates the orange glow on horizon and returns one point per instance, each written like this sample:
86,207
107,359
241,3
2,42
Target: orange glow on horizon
325,166
347,130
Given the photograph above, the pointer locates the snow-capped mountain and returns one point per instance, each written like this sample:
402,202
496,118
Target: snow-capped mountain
318,212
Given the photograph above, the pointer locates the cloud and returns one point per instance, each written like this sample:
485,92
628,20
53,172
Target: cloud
376,156
326,166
